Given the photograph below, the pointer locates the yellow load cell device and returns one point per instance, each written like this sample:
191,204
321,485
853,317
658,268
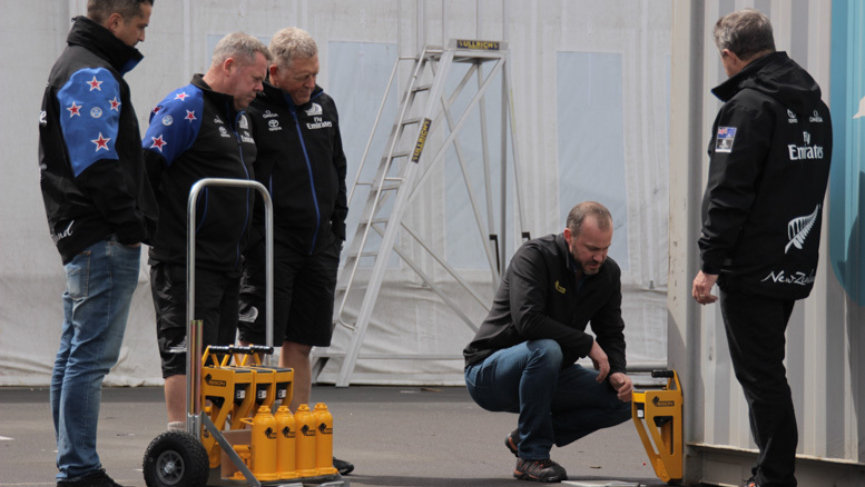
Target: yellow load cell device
658,416
281,386
224,389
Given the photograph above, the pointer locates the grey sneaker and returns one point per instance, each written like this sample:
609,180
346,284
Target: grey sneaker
539,470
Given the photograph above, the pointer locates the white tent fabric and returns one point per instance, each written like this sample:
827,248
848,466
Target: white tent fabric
590,92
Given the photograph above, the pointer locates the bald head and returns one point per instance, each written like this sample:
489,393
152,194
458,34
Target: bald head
578,214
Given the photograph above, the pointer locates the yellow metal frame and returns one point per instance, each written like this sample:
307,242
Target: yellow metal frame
660,413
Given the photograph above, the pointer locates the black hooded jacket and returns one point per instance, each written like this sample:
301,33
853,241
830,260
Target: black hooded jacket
93,178
770,154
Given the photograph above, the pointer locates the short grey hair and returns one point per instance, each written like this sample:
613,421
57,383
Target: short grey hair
747,33
99,10
292,43
241,46
588,208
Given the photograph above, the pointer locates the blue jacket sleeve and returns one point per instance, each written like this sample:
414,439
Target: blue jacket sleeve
90,104
174,125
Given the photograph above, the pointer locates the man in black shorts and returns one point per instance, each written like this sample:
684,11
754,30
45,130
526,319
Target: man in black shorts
201,131
301,161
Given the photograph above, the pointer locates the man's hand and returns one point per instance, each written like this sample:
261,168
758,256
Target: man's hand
623,385
702,290
600,361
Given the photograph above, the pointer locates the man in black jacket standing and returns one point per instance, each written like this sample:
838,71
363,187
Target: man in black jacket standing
100,207
301,161
522,359
202,131
762,211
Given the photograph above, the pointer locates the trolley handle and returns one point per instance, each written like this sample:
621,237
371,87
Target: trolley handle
666,373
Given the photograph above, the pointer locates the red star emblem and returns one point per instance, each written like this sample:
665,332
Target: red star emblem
115,105
158,143
101,142
94,84
181,96
190,115
74,110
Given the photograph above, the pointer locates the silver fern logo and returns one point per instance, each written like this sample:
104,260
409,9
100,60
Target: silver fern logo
799,228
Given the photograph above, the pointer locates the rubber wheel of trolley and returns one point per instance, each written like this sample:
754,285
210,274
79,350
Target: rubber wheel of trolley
176,459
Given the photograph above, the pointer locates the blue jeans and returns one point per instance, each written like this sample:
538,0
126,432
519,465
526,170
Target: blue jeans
556,406
99,286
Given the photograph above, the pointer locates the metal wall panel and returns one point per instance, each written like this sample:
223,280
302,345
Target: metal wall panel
823,342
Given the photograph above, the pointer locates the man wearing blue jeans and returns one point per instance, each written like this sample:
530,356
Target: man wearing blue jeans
522,359
100,207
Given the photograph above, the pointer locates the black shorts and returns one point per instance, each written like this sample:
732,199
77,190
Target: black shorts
216,302
303,294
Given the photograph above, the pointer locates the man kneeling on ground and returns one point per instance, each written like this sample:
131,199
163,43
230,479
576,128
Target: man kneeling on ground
522,359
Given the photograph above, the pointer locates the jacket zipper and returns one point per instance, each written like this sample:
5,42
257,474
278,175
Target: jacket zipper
311,180
246,171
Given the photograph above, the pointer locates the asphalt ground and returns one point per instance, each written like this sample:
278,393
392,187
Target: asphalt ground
395,436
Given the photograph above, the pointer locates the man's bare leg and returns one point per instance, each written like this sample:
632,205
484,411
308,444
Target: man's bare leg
296,356
175,398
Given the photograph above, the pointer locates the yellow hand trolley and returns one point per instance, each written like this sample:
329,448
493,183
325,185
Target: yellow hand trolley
226,392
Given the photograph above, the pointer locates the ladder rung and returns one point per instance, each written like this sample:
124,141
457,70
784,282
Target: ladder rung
369,253
384,188
410,121
396,155
421,88
374,221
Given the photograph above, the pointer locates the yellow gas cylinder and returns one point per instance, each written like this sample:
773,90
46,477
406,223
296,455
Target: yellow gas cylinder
285,443
263,444
305,441
323,440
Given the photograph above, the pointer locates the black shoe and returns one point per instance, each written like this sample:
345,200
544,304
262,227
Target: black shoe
512,442
342,466
96,479
539,470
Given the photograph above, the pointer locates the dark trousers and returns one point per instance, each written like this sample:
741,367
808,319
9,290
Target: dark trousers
755,333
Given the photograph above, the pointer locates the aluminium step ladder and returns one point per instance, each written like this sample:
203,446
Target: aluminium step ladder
407,163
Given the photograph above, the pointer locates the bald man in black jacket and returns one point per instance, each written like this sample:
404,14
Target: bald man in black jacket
522,358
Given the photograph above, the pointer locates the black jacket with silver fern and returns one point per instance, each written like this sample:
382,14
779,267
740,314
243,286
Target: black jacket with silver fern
770,153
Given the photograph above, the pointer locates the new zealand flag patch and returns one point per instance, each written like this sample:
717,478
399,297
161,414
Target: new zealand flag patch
726,136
